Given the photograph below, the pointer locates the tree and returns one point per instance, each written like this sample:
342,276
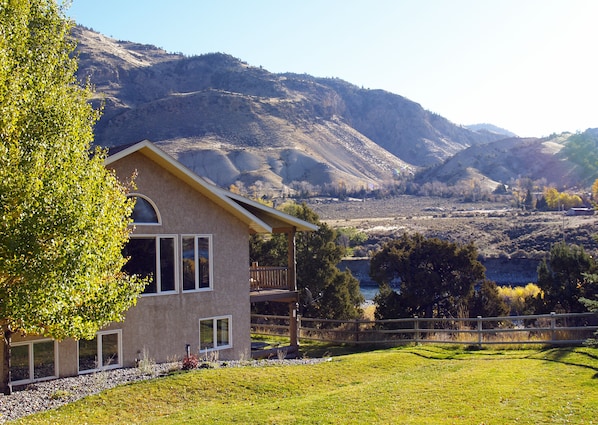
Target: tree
436,278
528,202
551,195
556,200
595,191
562,279
486,301
64,216
518,298
338,293
591,305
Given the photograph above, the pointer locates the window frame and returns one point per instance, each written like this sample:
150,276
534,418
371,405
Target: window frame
197,288
215,320
158,276
152,204
31,361
99,353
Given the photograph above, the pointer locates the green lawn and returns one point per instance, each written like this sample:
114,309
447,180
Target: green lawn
410,385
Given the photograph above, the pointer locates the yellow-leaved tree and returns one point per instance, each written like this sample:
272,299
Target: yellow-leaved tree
64,217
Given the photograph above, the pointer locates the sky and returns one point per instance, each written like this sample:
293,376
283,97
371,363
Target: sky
529,66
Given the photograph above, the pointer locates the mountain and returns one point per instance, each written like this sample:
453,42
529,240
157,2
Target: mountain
490,128
238,124
547,159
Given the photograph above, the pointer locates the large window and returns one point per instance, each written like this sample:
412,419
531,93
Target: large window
102,352
197,252
32,361
215,333
153,256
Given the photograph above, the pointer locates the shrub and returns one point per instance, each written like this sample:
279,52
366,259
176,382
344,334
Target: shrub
190,362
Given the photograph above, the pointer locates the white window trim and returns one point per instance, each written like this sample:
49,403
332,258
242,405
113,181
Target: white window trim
99,353
210,266
31,362
158,276
215,333
153,204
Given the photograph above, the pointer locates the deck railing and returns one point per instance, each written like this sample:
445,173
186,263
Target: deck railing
264,278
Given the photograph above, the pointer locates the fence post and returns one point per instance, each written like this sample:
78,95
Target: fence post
356,330
552,325
416,328
480,332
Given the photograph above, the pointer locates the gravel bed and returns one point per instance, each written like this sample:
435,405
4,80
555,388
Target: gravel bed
46,395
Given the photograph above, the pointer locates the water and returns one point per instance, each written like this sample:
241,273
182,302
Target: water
368,291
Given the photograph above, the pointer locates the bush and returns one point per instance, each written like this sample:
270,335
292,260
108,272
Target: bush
190,362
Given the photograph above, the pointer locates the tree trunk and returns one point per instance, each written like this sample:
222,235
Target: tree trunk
5,386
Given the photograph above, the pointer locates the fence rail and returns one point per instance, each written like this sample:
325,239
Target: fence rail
550,329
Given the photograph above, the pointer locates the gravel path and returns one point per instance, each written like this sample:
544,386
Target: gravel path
47,395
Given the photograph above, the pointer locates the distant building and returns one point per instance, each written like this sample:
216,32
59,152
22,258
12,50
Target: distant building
580,211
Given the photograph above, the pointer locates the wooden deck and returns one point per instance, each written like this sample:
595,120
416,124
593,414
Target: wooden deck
280,295
271,284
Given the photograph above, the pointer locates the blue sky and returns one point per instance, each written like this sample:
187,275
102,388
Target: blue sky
530,66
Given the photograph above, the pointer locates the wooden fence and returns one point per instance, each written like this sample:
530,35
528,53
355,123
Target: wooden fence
549,329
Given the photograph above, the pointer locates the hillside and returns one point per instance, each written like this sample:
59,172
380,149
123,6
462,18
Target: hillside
235,123
553,160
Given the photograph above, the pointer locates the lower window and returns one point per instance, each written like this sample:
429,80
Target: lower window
215,333
32,361
102,352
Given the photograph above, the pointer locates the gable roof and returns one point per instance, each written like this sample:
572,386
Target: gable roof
259,218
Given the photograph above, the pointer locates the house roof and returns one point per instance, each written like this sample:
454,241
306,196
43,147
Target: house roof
259,218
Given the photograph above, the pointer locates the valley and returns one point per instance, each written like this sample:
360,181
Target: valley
510,242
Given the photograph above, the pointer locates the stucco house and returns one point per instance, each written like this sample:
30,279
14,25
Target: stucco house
193,239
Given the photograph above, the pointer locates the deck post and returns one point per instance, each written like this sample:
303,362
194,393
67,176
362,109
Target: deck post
292,285
292,260
294,327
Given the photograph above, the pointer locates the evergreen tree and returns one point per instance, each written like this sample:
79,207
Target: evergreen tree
436,278
487,302
562,278
337,293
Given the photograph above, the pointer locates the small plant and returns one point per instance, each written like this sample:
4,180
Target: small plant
210,359
190,362
281,353
145,364
61,395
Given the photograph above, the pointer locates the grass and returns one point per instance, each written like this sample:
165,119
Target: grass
408,385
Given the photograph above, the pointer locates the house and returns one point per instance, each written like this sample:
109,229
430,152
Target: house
580,211
192,238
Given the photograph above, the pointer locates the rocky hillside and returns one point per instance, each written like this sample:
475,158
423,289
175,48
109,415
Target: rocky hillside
238,124
539,159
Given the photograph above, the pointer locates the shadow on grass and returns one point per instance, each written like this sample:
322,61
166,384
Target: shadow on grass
319,350
562,355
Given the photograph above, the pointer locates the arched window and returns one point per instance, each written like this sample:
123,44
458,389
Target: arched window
145,212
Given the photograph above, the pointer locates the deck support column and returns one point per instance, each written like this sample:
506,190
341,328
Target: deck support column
292,260
294,328
292,277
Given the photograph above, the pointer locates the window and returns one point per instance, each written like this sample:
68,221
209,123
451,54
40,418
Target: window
144,211
153,256
32,361
215,333
102,352
197,252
